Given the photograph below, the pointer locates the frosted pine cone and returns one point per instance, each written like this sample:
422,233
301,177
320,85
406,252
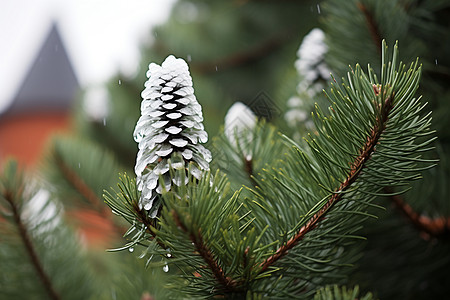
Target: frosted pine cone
170,126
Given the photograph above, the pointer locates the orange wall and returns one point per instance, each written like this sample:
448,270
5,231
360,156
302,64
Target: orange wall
24,136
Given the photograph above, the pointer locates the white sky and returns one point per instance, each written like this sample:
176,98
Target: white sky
100,36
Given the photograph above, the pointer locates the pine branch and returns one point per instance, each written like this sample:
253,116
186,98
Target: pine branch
248,166
436,227
238,58
372,137
342,293
372,25
228,283
25,237
149,223
78,183
72,166
80,186
368,141
242,57
126,204
245,155
357,166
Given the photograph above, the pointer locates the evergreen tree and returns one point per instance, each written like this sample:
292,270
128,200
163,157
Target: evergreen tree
350,201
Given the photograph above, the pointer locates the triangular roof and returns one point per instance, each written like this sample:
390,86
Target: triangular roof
51,83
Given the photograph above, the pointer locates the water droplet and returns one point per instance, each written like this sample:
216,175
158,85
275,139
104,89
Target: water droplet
189,58
166,268
120,82
318,8
131,249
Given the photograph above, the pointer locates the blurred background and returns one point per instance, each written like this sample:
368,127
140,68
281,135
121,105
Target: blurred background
51,50
72,73
80,66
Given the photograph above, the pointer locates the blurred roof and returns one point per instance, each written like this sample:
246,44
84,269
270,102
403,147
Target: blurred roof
50,84
101,37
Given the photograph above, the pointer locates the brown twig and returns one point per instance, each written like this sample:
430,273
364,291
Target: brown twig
436,227
78,183
356,167
248,166
242,57
372,26
8,195
149,223
228,283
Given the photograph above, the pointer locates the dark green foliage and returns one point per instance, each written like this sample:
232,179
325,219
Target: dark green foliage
400,245
40,257
403,254
72,165
244,156
336,293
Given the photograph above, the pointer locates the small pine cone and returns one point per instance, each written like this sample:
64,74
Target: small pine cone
170,127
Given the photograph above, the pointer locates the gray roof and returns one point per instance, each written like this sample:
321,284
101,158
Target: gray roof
50,84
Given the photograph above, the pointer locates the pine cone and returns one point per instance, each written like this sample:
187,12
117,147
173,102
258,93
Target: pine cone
170,127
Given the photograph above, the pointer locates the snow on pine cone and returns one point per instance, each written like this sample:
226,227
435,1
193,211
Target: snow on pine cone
170,127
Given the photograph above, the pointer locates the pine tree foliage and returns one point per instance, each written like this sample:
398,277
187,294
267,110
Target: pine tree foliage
41,257
416,222
334,292
306,208
37,249
244,155
277,216
71,165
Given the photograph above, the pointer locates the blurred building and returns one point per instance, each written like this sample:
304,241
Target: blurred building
41,104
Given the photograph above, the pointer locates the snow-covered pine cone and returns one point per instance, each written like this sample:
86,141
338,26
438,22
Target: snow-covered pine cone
313,72
170,127
311,63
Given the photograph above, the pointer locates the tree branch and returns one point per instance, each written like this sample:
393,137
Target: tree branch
372,26
242,57
356,168
81,186
8,195
248,166
149,223
436,227
228,283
